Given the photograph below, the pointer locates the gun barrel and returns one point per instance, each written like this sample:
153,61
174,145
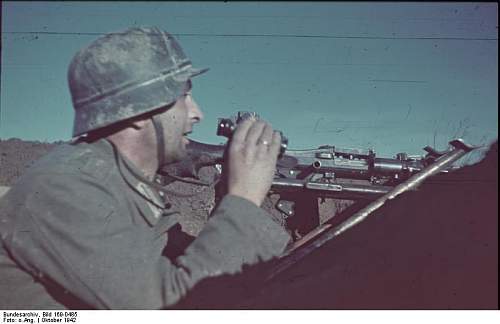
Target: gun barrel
384,166
331,190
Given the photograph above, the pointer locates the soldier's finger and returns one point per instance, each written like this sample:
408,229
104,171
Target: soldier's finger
255,132
241,131
276,143
265,140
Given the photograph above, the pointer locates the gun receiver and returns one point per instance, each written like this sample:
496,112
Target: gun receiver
330,171
327,171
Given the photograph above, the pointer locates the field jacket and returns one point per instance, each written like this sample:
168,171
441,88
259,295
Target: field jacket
80,222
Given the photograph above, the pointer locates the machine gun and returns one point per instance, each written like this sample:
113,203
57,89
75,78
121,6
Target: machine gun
304,176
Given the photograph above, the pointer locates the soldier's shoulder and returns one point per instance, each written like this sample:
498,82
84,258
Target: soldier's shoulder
73,159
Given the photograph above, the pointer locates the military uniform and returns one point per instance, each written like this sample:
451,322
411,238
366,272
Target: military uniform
80,230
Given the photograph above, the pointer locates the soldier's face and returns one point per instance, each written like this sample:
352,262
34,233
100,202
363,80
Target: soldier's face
178,123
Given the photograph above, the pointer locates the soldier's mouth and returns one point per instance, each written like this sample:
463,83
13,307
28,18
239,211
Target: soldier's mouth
185,137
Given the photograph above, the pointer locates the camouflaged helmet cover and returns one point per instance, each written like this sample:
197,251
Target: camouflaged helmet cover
126,74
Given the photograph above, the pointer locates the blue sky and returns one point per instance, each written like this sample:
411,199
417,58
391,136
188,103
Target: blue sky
393,76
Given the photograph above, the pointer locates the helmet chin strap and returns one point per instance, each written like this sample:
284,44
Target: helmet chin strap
160,140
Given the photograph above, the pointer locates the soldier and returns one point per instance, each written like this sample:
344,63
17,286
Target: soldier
86,227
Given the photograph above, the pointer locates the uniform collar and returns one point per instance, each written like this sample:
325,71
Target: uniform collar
134,177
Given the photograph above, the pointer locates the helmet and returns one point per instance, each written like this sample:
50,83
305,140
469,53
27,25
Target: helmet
126,74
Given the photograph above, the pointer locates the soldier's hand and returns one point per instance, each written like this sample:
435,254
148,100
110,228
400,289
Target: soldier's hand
253,152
